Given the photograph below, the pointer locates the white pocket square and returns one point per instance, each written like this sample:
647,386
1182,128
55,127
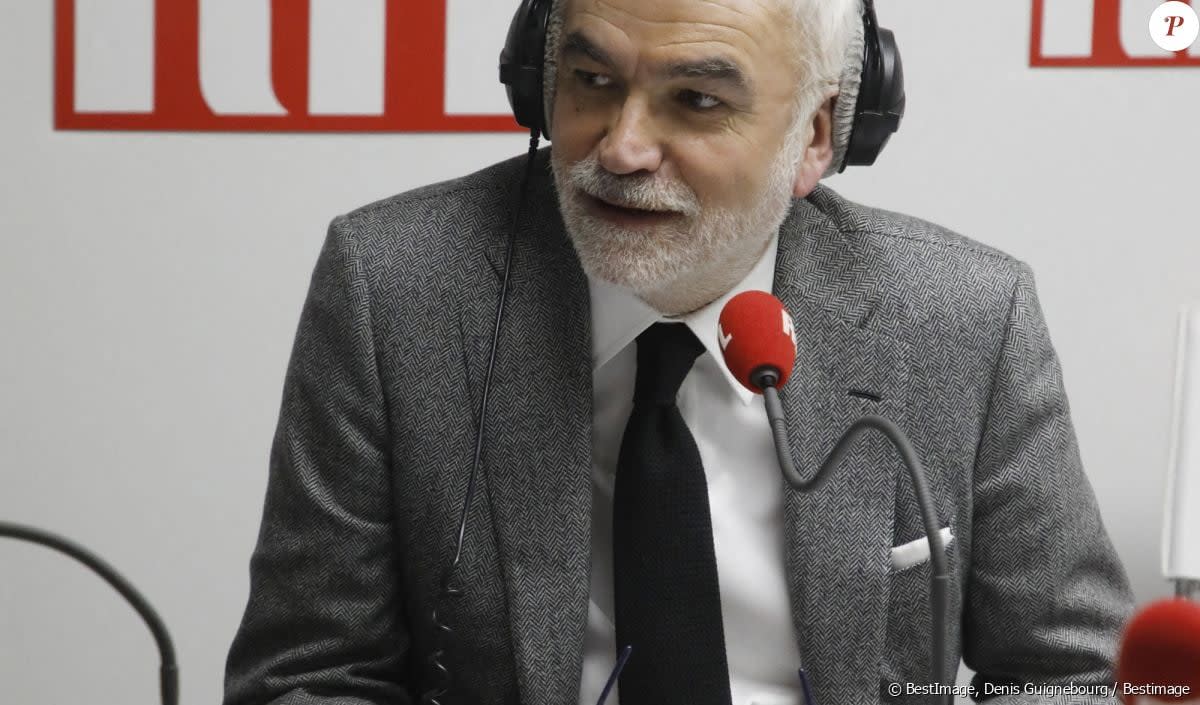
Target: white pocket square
916,552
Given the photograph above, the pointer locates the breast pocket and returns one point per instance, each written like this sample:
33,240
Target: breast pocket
909,621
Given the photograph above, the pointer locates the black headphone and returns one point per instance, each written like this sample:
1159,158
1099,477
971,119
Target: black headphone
876,114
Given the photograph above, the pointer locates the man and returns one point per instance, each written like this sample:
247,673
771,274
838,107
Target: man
688,141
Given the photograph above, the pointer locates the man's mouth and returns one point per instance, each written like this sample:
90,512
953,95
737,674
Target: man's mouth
625,215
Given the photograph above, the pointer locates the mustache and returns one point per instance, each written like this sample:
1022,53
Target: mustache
644,192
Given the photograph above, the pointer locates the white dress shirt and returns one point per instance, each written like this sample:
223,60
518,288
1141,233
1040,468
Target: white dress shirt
745,494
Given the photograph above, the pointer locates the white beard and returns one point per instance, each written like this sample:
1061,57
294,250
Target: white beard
660,257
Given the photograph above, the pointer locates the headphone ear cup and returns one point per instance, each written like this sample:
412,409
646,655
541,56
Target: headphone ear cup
522,63
891,93
881,97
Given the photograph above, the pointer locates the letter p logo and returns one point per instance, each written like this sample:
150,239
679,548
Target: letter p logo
1174,26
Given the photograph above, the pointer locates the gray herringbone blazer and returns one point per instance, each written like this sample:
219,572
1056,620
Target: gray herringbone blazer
370,460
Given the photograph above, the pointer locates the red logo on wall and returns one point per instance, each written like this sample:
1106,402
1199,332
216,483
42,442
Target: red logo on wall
179,83
1100,33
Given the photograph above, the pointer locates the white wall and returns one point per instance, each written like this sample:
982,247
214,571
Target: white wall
150,285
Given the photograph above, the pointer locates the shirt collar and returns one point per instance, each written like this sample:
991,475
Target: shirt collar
619,316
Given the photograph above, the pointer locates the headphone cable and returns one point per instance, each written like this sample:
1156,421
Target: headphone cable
448,587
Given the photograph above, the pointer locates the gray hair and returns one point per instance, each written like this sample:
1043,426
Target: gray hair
828,52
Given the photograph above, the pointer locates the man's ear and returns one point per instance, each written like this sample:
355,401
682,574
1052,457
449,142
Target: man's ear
819,152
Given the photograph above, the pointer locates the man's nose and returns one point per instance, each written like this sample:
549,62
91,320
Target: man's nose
630,145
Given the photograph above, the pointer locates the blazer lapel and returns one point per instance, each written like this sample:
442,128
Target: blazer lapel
838,539
537,450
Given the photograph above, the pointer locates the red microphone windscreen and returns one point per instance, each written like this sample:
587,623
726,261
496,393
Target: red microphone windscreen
755,330
1161,647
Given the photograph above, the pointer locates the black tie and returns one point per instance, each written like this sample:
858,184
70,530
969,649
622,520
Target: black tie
666,593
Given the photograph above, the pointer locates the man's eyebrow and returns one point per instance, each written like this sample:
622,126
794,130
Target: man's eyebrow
715,67
578,43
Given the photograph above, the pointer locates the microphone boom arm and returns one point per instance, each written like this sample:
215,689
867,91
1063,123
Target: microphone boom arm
168,670
939,575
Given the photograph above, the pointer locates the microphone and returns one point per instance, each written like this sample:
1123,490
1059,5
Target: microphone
758,341
1181,521
757,337
1159,658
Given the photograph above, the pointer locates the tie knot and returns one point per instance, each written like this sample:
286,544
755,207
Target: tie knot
665,353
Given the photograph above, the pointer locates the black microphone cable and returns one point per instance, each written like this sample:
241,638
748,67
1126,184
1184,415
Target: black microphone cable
448,589
766,379
168,671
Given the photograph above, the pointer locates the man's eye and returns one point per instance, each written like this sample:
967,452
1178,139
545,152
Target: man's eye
699,101
593,80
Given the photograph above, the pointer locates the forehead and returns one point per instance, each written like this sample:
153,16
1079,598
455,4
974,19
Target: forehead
752,32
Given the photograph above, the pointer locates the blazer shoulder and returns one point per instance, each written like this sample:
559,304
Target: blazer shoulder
433,234
899,230
917,252
492,181
948,282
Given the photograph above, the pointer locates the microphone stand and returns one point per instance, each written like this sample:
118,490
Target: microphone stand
168,672
766,379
